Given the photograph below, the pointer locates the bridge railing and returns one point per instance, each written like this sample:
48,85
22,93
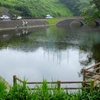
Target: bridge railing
59,84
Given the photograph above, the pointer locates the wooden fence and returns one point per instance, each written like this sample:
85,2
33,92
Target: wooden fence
92,73
91,79
58,83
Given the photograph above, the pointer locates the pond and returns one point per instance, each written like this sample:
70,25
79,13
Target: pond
51,53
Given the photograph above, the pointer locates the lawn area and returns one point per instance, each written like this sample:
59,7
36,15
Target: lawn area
53,21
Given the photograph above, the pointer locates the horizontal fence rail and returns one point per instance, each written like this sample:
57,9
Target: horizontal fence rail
91,79
58,83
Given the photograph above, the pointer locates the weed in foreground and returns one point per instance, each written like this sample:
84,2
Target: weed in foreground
43,92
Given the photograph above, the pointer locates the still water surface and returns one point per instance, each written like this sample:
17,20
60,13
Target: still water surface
53,53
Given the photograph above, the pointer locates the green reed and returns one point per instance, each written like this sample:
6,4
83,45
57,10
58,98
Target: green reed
21,91
3,88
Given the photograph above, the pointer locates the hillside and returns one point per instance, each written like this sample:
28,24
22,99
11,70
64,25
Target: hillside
73,5
35,8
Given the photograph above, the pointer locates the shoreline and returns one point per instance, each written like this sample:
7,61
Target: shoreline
11,24
4,29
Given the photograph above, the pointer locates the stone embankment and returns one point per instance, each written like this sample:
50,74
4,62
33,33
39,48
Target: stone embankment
11,24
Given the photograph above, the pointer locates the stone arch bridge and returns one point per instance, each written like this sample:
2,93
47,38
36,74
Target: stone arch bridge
75,20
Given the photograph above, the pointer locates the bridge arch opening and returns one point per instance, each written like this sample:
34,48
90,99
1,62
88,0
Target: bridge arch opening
97,23
81,22
76,22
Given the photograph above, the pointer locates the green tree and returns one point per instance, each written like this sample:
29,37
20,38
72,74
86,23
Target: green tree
90,9
97,4
72,5
36,8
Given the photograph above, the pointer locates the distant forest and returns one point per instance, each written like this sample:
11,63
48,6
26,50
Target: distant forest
73,5
39,8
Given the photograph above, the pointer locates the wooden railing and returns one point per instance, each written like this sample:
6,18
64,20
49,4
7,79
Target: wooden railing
92,73
58,83
91,79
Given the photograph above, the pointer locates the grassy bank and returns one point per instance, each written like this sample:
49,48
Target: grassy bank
4,84
53,21
22,92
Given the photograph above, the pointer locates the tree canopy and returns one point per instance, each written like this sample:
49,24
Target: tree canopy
90,9
36,8
72,5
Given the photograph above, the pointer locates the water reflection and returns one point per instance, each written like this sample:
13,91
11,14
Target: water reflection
58,53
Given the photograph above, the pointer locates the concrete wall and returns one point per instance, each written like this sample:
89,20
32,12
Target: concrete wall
13,23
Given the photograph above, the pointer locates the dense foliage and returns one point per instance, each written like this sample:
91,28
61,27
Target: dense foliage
72,5
36,8
56,8
90,9
22,92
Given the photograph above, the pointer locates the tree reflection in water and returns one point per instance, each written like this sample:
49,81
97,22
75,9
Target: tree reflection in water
56,42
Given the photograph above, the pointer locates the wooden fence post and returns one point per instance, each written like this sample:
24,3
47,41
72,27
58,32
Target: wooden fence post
83,74
58,84
91,86
83,84
99,69
14,80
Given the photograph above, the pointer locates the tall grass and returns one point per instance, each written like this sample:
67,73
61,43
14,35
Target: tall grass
42,92
2,89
